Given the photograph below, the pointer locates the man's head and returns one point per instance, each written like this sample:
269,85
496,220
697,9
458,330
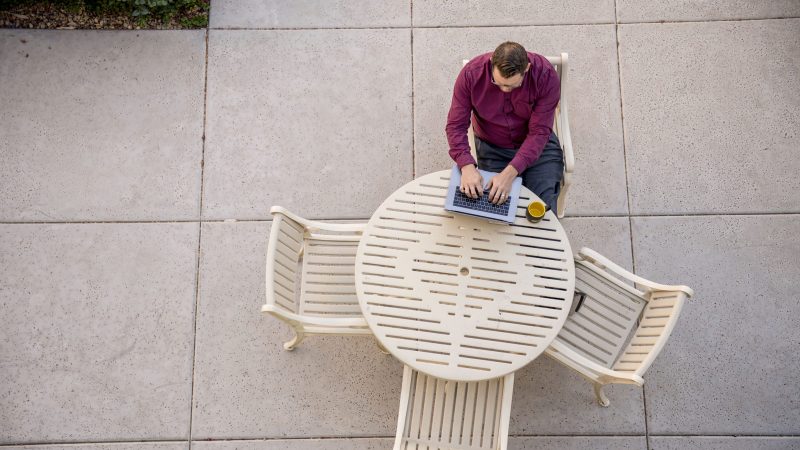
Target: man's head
509,65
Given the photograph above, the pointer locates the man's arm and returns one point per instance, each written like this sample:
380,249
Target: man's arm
540,125
458,121
457,124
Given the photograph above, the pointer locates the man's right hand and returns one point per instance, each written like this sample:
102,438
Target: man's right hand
471,181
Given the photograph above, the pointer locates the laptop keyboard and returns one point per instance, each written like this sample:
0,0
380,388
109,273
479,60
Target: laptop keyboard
480,204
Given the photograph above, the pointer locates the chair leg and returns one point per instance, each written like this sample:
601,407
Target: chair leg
601,396
381,347
298,338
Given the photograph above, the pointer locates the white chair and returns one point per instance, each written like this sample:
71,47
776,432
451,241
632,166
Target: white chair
617,329
310,276
561,128
444,414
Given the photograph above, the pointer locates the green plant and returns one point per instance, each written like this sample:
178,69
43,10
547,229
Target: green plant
195,22
8,4
192,13
144,8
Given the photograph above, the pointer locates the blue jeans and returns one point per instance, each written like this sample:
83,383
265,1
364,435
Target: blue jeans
543,177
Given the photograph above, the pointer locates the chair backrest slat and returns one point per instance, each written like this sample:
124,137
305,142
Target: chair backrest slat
438,409
458,412
452,414
427,408
491,415
286,238
448,410
290,238
556,61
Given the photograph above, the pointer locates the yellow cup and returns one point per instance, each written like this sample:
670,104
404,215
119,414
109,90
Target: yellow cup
535,211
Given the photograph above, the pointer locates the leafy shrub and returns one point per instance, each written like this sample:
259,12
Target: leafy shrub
140,8
9,4
189,13
195,22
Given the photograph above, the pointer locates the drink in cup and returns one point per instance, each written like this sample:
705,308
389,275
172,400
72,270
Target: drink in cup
535,211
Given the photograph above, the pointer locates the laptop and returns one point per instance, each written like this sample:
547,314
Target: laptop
459,202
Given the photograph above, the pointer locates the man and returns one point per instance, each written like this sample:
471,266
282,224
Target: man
511,95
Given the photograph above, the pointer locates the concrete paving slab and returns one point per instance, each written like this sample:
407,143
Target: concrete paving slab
435,13
593,96
552,399
101,125
611,236
711,121
97,331
723,443
324,136
707,10
308,14
106,446
247,386
728,367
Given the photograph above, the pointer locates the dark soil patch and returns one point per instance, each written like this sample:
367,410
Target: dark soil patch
46,15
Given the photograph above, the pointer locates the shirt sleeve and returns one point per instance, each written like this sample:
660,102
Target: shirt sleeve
458,121
540,125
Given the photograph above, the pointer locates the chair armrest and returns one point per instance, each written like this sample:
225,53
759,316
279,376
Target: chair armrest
566,143
312,320
604,263
604,374
566,136
314,225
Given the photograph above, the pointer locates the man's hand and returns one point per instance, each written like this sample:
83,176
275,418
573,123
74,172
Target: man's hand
471,181
500,185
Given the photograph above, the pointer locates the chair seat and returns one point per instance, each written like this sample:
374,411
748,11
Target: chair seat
328,279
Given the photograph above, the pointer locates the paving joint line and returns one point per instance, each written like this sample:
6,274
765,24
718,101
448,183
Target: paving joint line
588,216
767,436
646,422
199,242
428,27
412,26
301,438
524,25
91,222
627,186
109,441
752,19
293,438
413,111
401,27
156,441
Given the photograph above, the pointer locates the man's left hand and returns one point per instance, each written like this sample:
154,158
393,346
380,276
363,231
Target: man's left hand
499,186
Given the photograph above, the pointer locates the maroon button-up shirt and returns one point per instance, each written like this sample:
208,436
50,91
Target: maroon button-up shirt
521,119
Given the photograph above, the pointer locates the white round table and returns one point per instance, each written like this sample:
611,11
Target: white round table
459,297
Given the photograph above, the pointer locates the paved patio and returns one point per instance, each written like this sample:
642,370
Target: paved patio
138,169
